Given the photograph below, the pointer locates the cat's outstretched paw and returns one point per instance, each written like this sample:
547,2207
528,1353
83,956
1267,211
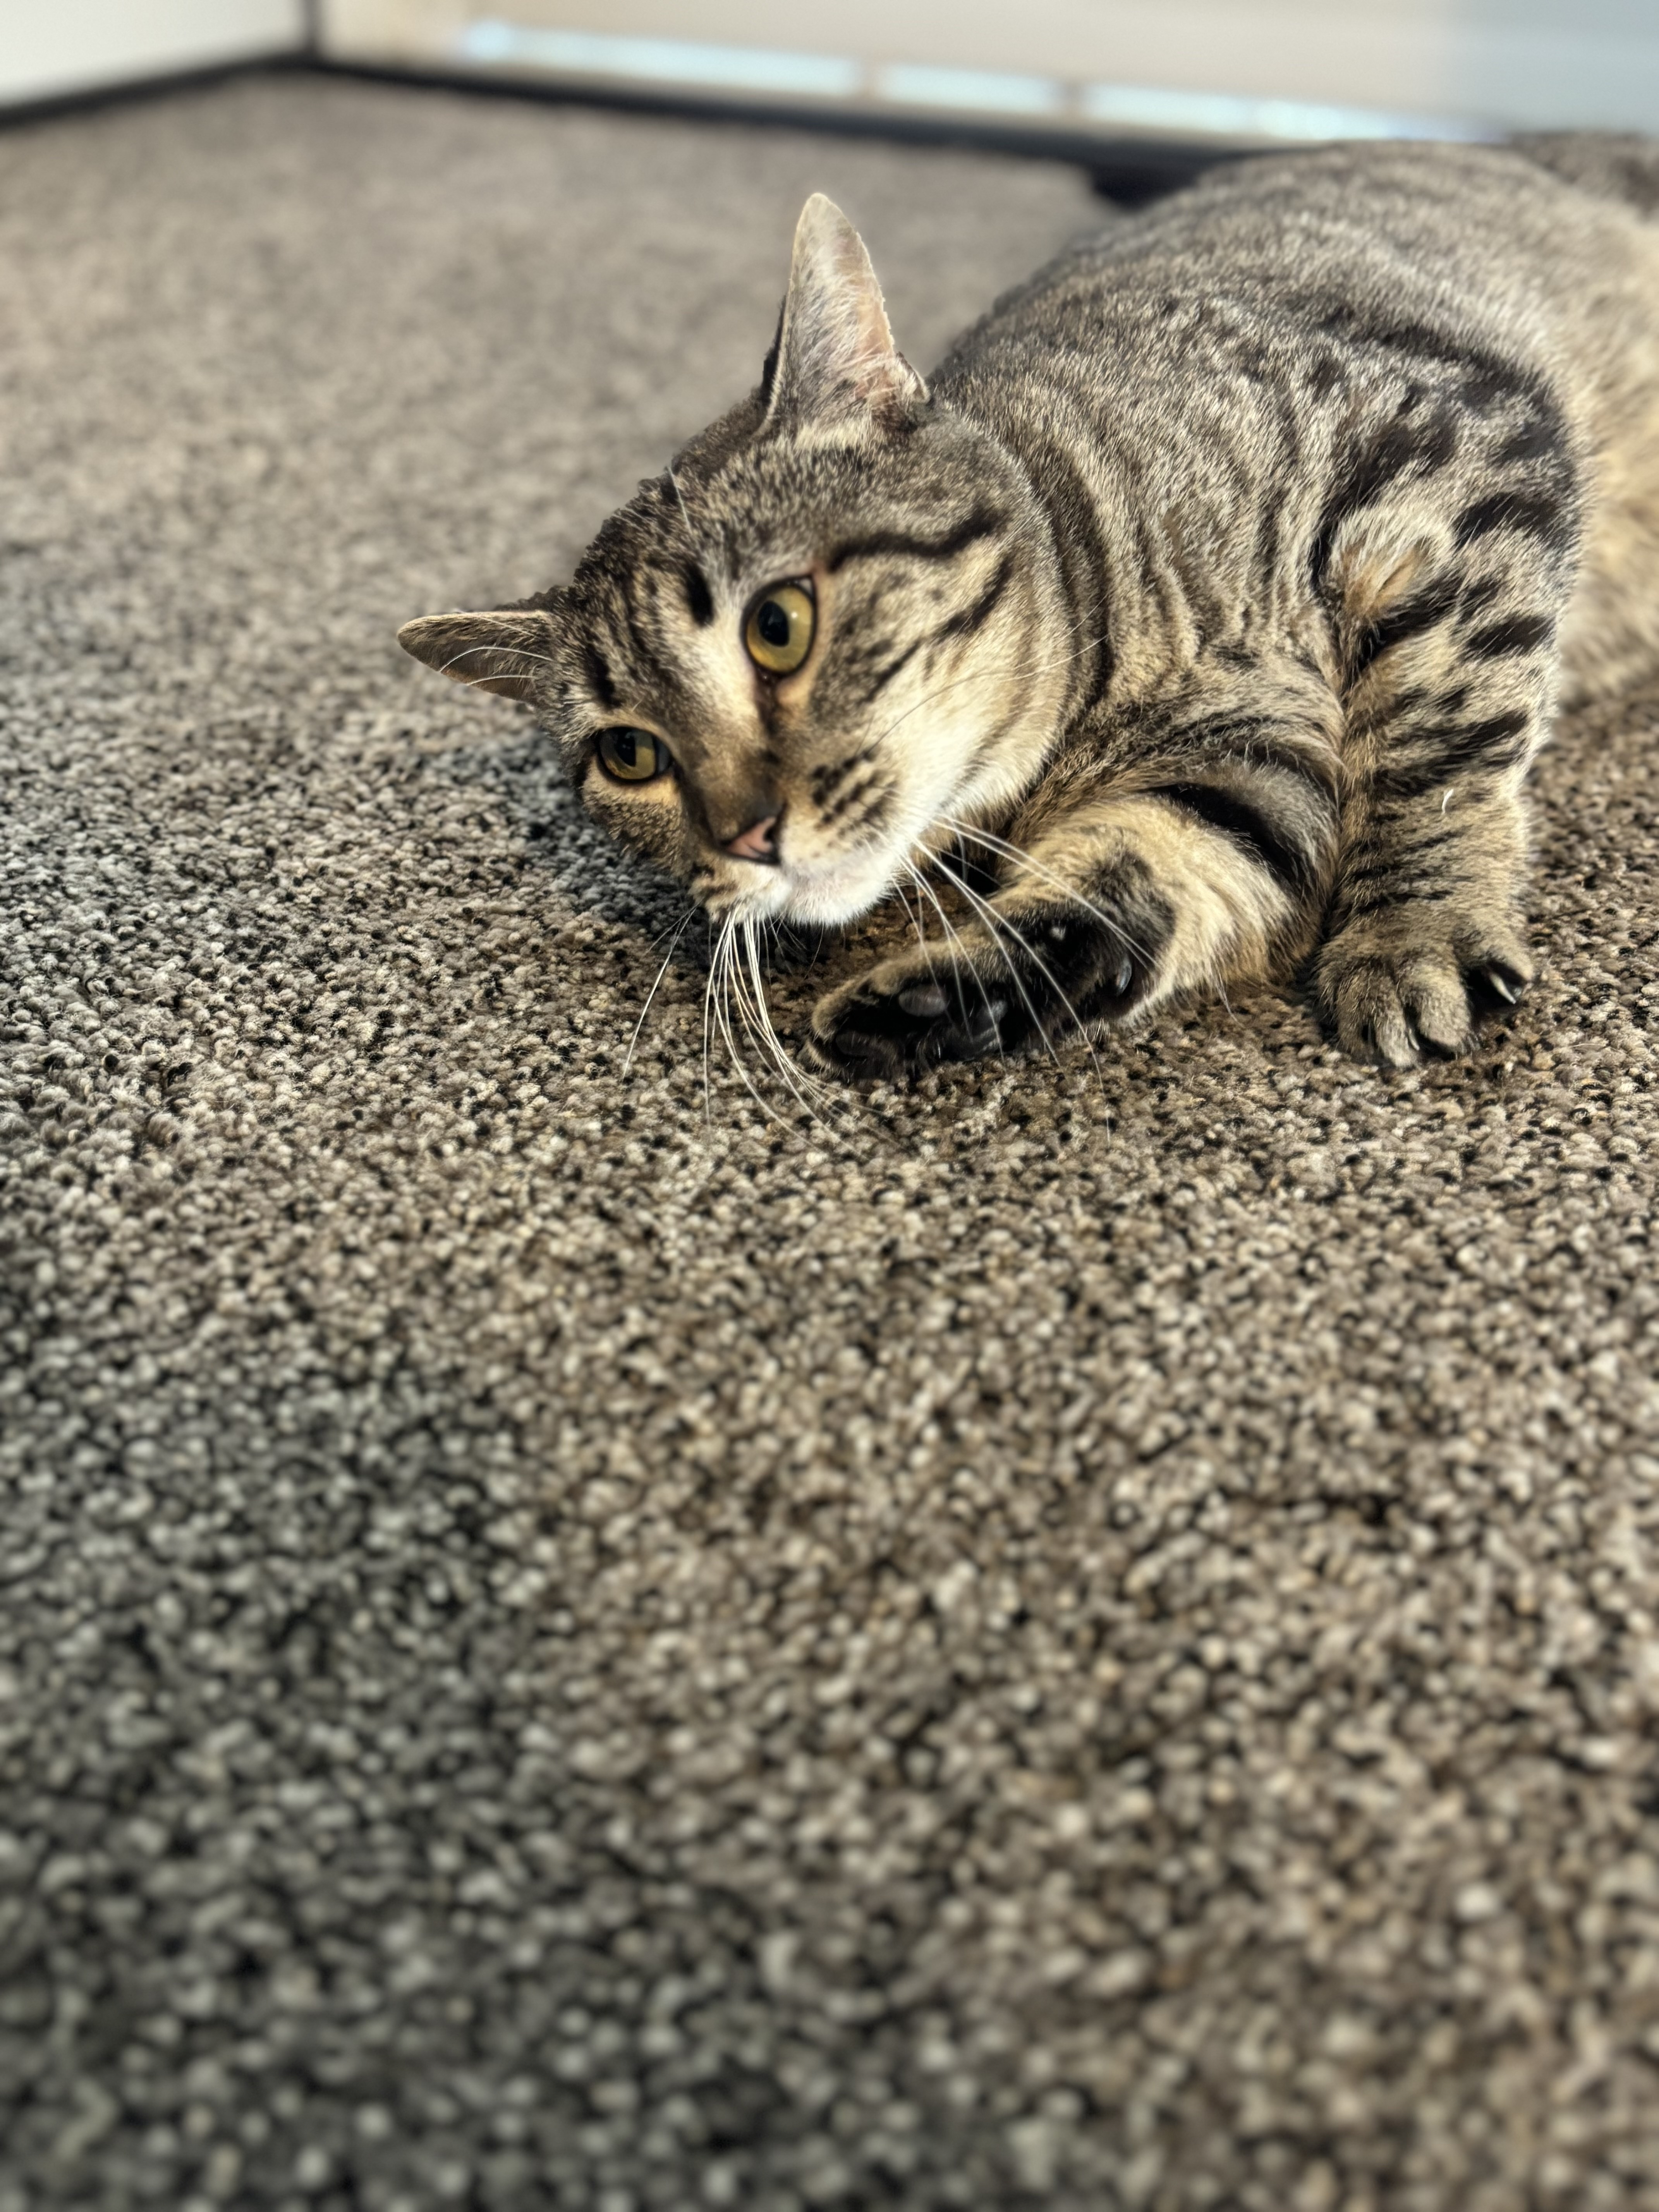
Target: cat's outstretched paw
1406,986
907,1015
1054,969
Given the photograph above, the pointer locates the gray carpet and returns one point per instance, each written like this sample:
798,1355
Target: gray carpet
1076,1637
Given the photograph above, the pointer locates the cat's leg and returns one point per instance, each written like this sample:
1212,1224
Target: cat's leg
1204,859
1426,929
1430,931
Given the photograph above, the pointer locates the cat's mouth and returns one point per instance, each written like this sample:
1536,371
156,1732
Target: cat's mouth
827,893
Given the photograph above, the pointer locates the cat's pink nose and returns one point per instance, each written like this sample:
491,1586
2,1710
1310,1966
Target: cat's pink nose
755,843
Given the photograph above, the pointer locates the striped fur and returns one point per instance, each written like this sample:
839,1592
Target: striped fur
1211,601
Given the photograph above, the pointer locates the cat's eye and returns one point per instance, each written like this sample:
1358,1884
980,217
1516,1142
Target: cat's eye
632,756
779,630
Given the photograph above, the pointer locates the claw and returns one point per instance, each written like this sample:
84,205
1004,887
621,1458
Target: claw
1496,982
1125,976
926,1000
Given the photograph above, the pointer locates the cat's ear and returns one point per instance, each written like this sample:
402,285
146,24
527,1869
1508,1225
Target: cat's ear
501,650
834,356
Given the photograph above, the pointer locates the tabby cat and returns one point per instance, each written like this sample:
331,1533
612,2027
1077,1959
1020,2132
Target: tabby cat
1211,597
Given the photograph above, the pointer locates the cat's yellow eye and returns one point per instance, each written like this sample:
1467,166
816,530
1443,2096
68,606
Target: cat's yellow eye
632,756
779,630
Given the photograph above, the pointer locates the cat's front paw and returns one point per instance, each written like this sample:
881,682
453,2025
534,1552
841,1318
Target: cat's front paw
910,1014
1054,968
1398,987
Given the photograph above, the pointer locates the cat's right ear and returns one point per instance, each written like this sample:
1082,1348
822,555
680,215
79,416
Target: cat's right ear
500,649
833,359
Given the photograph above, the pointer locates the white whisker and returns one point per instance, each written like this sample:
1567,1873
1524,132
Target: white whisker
708,1005
1027,860
994,921
958,949
913,915
1014,976
952,935
803,1085
652,992
519,652
692,535
723,1010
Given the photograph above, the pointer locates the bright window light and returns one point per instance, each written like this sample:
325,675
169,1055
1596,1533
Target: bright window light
1218,115
663,61
691,63
916,86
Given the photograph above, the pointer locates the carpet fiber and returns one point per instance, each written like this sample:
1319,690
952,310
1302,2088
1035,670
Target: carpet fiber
1077,1636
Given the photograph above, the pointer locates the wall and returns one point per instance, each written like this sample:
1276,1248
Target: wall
52,46
1502,63
1496,63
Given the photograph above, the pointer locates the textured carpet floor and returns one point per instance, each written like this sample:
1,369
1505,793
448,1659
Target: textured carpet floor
1067,1638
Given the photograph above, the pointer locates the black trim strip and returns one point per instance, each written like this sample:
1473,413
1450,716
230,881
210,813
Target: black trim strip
1121,167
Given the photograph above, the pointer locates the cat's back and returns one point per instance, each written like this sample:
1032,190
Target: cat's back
1219,365
1543,253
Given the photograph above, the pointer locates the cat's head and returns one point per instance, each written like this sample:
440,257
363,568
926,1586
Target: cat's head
813,641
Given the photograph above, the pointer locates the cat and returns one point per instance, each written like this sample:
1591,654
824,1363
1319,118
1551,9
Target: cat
1204,609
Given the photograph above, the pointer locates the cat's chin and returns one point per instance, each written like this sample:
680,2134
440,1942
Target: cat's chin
827,896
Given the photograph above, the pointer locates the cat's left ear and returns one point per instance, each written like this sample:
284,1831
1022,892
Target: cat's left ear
833,357
503,649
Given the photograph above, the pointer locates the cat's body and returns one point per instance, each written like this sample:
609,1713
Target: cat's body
1213,596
